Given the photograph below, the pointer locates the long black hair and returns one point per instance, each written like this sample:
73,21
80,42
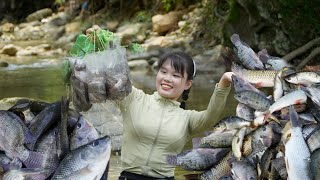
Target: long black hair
181,62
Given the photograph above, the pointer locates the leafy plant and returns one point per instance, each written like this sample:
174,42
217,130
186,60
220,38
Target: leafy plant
168,4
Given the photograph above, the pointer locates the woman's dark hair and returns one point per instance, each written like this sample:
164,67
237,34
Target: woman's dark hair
180,61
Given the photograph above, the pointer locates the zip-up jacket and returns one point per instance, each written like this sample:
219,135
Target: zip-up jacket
155,127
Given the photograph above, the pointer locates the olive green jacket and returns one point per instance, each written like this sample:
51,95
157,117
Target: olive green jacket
155,127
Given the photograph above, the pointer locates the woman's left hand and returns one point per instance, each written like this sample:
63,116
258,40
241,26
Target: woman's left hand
225,80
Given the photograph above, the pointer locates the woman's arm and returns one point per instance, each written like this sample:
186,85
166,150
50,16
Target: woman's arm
209,117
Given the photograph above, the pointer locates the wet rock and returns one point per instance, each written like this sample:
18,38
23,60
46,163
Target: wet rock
3,64
141,64
10,50
166,22
40,14
7,27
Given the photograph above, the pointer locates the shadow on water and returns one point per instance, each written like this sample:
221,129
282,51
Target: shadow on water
45,83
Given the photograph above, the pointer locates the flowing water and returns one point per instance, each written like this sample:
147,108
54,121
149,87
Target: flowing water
43,80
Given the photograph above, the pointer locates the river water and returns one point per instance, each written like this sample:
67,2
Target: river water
43,80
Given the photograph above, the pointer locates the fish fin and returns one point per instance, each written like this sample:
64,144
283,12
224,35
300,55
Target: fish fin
258,85
294,118
263,51
172,159
15,164
235,38
263,57
33,160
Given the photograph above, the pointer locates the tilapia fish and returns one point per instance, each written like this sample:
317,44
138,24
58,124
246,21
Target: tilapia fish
83,133
271,62
198,159
86,162
245,54
13,135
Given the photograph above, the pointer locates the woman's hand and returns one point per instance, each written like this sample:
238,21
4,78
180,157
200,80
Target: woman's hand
225,80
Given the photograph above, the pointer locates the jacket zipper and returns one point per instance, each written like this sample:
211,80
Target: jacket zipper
156,139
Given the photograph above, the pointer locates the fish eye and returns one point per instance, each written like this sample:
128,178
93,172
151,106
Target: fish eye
95,143
78,125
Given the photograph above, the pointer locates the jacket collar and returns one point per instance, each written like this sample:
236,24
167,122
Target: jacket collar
159,98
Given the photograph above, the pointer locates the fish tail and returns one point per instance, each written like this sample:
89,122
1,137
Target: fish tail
34,159
172,159
294,118
235,38
263,57
263,51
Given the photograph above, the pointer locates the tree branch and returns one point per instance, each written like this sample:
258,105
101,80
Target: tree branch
301,50
313,54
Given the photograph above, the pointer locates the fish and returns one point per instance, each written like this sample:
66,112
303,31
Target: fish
313,92
280,165
245,54
315,162
297,154
271,62
259,78
83,133
303,78
313,140
6,163
48,147
237,142
13,135
45,119
218,139
266,160
22,174
62,135
253,100
245,112
219,170
243,170
199,159
240,84
295,97
86,162
231,123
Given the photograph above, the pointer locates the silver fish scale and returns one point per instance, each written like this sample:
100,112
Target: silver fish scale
70,164
247,56
219,170
11,134
264,78
47,145
253,100
297,156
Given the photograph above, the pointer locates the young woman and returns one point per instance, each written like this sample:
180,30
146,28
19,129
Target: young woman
157,125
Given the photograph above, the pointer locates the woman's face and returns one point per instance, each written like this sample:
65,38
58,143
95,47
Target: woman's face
170,83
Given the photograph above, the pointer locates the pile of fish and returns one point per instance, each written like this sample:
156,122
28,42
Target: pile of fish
272,135
40,140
